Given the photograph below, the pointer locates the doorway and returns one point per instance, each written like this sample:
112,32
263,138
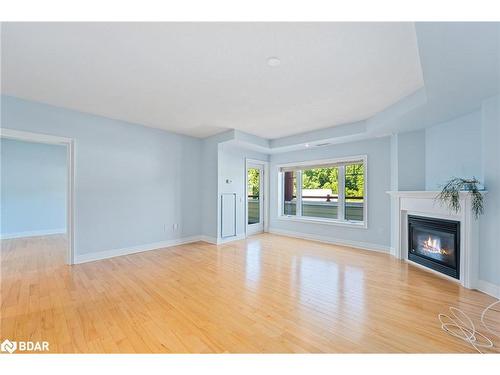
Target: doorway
256,205
48,195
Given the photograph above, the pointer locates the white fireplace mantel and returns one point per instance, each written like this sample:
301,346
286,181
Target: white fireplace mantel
424,203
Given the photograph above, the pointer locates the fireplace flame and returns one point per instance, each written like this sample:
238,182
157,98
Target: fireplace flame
433,246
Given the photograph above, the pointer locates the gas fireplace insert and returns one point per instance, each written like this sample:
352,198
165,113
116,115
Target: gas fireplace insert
435,243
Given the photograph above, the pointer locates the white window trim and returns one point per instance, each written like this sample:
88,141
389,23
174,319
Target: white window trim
298,187
341,194
340,222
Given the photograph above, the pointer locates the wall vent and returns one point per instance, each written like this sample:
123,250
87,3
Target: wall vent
322,144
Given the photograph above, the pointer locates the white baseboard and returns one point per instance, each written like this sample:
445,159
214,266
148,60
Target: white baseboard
488,288
209,239
221,241
34,233
90,257
333,241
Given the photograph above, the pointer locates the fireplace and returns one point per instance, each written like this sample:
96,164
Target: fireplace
435,243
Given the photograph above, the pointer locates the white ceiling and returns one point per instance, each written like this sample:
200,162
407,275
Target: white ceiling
202,78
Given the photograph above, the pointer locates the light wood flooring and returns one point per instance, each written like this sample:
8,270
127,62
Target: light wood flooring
267,294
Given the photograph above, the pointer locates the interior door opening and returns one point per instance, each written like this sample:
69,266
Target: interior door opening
43,212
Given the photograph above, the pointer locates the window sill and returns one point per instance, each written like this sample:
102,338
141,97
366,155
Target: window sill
342,223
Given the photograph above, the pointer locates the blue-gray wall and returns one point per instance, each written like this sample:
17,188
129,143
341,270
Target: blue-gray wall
411,161
453,149
489,256
132,183
208,193
33,184
377,235
209,166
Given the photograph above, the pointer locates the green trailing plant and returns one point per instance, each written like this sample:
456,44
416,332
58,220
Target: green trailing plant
450,195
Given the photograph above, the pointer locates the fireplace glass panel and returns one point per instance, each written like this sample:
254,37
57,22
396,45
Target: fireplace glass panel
436,245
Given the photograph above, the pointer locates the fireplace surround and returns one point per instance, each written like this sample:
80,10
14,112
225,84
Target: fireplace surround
424,204
435,243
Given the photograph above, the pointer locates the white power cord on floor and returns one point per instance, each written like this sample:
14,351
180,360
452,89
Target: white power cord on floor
462,327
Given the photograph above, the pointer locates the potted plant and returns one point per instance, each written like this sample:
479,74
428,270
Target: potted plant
450,194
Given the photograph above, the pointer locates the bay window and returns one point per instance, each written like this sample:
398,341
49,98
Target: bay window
330,191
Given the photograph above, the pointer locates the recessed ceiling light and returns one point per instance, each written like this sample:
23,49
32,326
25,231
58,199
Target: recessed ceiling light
273,61
307,145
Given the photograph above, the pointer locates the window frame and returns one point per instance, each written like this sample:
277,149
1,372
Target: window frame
341,206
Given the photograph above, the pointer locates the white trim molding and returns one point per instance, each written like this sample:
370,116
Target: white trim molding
33,137
306,219
238,237
35,233
339,160
488,288
106,254
330,240
209,239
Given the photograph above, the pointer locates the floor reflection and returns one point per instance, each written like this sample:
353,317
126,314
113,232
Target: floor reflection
325,287
354,289
253,264
319,283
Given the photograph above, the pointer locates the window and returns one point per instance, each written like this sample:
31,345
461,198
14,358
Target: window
328,190
354,191
320,194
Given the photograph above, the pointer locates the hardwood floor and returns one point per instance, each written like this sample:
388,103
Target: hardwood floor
268,294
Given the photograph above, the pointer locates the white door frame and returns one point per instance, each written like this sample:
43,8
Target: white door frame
264,193
70,160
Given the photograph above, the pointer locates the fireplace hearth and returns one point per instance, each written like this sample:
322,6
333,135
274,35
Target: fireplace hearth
435,243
